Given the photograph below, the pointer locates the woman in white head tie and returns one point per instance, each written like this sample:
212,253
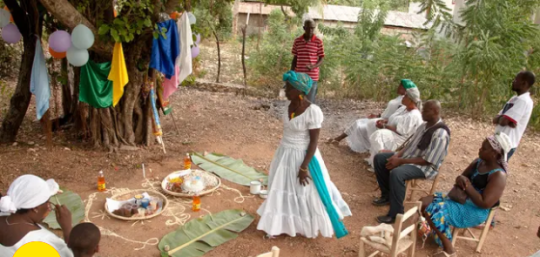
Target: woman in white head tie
23,208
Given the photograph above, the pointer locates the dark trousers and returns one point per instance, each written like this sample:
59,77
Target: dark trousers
392,182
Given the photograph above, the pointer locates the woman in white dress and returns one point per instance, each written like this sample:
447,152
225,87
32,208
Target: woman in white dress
392,133
23,208
357,134
302,199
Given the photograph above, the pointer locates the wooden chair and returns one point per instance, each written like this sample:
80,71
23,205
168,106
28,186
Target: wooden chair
412,186
472,237
273,253
403,240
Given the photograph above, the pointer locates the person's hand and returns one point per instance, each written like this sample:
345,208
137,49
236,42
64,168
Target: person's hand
463,182
373,116
393,162
380,124
512,124
303,177
63,216
310,67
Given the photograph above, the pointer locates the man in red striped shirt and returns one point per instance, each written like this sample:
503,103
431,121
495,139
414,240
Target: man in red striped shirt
308,51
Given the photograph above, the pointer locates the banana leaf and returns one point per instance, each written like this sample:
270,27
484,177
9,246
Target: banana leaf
199,236
73,202
228,168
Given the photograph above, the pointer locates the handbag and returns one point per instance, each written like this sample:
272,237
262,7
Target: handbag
457,195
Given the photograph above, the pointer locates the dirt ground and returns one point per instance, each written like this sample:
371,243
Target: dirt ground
250,129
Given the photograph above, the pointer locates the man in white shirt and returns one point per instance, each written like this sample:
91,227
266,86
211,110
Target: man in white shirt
515,115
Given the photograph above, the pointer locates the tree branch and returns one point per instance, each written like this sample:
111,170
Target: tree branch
64,12
19,16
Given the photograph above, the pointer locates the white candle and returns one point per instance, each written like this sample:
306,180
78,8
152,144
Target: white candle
255,187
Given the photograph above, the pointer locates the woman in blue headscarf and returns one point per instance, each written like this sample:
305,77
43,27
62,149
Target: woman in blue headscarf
301,199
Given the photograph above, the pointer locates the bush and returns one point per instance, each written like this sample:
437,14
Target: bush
10,59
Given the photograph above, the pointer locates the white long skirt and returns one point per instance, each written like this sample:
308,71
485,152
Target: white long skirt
383,139
358,134
295,209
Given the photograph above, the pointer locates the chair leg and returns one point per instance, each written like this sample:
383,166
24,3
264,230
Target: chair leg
455,234
485,231
408,189
434,186
361,250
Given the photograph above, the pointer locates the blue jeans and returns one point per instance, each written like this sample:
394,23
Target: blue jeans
312,92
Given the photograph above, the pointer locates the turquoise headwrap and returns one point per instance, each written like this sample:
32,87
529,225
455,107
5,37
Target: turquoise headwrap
300,81
407,83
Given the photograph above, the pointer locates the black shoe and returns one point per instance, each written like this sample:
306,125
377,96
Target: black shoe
386,219
381,201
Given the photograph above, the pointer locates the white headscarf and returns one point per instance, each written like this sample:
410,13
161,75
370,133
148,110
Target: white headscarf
500,142
27,192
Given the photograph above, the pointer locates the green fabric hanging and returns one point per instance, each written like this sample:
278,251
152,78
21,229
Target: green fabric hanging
95,89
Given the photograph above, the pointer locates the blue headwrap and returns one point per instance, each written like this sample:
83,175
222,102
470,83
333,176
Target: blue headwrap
300,81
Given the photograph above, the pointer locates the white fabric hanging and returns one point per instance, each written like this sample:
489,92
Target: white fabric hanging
184,61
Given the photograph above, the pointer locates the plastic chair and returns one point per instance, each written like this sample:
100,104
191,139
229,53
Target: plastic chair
403,240
472,237
273,253
412,186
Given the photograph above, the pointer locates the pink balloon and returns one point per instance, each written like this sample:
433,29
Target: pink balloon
60,41
195,51
11,34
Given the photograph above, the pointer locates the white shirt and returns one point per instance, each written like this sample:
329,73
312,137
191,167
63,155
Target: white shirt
518,110
392,107
42,235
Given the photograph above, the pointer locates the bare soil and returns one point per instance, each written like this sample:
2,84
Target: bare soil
249,128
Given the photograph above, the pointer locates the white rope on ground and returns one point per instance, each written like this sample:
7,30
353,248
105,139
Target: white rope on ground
239,199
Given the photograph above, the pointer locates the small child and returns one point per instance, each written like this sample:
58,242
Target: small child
84,240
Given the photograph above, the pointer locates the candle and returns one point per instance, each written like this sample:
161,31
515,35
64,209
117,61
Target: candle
255,187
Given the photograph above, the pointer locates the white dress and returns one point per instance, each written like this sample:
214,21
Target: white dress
290,207
405,122
42,235
358,133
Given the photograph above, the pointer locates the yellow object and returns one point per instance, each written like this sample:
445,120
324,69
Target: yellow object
36,249
196,203
118,74
101,182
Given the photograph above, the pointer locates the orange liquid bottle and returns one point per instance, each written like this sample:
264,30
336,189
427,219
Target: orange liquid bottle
196,203
187,162
101,182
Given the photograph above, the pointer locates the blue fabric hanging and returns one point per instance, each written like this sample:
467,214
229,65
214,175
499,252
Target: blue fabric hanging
165,50
318,180
39,82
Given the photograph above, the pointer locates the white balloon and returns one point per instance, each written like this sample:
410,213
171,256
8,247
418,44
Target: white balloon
4,18
77,57
192,19
82,37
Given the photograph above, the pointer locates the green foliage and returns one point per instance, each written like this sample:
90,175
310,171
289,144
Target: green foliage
130,23
299,7
9,59
214,15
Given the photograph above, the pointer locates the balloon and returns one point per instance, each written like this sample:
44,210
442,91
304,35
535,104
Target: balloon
11,34
174,15
10,16
195,51
60,41
57,55
4,18
82,37
192,19
198,39
77,57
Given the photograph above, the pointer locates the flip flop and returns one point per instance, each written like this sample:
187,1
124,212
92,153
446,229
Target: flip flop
332,141
444,254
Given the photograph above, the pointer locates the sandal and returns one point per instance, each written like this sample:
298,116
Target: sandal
444,254
332,141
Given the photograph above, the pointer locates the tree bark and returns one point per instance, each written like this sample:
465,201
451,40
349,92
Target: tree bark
219,56
243,53
27,22
66,89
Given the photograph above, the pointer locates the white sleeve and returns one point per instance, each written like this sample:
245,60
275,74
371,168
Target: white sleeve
408,124
316,119
516,112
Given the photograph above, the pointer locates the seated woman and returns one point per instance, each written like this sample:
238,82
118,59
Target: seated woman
358,133
393,132
26,204
483,182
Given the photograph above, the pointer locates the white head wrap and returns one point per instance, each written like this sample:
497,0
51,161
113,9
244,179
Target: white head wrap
500,142
414,94
27,192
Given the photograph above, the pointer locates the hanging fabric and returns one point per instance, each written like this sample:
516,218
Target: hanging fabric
183,64
118,74
165,50
39,82
163,103
95,89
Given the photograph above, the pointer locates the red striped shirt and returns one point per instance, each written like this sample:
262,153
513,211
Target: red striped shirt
308,52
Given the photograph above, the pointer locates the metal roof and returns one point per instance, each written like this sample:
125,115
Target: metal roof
340,13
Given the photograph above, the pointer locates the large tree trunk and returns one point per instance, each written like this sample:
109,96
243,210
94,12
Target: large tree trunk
28,23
